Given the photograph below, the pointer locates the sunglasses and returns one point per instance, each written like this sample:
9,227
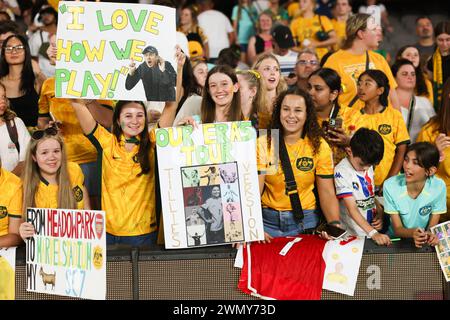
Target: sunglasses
39,134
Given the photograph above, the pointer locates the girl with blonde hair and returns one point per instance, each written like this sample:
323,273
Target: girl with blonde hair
49,180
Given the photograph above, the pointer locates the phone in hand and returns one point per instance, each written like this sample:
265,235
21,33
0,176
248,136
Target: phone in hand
333,231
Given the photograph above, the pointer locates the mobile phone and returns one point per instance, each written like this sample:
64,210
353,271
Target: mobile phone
335,123
333,231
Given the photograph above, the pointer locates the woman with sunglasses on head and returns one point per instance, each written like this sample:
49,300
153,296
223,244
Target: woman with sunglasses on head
49,180
14,136
22,78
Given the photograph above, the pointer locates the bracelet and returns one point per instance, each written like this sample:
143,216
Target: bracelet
372,233
335,222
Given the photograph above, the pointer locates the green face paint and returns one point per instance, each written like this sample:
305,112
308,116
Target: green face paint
122,125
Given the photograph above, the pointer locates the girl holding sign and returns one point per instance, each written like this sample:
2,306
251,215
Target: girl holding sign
128,172
311,161
49,180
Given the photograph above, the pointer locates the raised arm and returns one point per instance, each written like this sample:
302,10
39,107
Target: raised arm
87,121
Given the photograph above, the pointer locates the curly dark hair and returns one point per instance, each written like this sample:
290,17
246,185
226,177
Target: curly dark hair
311,128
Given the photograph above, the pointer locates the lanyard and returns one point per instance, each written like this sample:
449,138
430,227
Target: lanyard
412,104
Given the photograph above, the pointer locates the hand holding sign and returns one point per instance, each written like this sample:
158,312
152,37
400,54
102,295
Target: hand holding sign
132,67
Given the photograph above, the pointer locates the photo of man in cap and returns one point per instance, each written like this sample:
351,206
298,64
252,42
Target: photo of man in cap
158,76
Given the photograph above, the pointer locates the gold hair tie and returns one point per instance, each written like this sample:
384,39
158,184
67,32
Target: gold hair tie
255,73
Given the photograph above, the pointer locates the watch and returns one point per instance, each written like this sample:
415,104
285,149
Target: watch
372,233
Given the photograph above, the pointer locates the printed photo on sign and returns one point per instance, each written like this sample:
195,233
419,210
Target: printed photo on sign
128,55
442,232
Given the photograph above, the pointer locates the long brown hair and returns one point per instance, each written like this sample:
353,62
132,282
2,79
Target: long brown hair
31,177
208,108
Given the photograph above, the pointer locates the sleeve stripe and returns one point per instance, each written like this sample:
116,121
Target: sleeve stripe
14,215
93,139
326,176
391,212
439,212
107,107
403,142
47,115
345,195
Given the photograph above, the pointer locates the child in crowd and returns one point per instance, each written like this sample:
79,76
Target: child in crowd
416,198
373,90
49,180
355,186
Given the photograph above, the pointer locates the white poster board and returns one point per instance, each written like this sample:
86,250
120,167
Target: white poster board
442,231
98,42
209,184
67,254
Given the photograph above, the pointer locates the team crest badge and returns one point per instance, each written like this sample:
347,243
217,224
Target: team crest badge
305,164
424,211
99,225
384,129
3,212
78,193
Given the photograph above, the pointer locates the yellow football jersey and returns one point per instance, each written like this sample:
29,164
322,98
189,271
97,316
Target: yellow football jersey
10,199
305,166
306,28
78,147
47,194
129,200
339,27
390,125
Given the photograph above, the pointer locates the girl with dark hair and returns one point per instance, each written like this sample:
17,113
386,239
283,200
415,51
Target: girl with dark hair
22,78
423,88
437,132
439,64
373,90
412,216
416,110
324,86
310,158
221,101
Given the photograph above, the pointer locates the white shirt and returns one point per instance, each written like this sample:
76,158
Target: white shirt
350,183
216,27
8,152
35,43
287,62
191,106
423,111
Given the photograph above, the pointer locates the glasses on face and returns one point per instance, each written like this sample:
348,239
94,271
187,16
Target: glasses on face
39,134
10,49
310,62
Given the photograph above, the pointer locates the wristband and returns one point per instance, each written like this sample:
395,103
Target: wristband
335,222
372,233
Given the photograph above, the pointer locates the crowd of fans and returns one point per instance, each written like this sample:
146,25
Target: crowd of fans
365,135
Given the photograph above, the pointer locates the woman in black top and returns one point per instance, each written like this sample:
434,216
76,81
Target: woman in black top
22,79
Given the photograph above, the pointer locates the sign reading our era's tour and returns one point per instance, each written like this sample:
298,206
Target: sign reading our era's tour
115,51
209,184
67,254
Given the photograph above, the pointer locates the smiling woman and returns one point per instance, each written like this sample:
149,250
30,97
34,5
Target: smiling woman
311,162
